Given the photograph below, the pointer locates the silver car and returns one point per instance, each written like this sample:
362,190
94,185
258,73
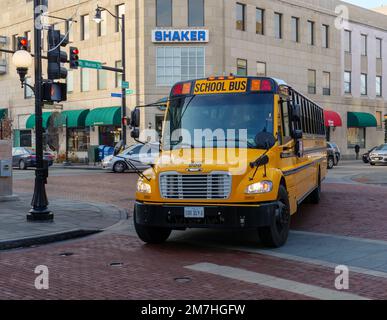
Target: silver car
139,155
379,155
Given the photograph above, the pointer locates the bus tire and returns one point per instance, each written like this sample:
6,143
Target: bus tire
276,235
151,235
315,196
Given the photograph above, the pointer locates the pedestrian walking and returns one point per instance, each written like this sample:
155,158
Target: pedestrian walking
357,150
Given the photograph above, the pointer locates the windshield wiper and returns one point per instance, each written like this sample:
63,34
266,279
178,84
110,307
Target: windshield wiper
132,166
249,144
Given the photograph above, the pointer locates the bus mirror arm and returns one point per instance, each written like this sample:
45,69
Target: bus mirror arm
135,169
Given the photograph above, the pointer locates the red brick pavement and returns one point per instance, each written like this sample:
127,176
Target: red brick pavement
349,210
148,272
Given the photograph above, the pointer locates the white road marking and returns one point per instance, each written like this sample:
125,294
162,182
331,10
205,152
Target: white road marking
274,282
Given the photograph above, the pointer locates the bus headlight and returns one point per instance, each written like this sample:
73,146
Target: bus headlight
260,187
143,187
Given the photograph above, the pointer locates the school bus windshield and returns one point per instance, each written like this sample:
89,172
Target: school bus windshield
218,120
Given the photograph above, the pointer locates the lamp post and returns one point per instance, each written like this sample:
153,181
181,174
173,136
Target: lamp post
23,60
98,19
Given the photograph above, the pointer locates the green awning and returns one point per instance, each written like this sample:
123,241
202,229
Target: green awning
110,116
361,120
45,120
3,113
75,118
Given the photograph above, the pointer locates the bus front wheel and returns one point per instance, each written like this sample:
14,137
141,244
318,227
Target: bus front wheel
276,235
151,235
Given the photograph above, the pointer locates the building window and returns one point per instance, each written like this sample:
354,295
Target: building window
102,79
356,136
326,83
379,121
14,42
241,67
363,45
176,64
120,11
25,138
347,41
102,26
85,27
118,65
347,82
85,81
312,81
70,81
379,86
163,13
295,29
28,93
261,69
78,139
196,13
363,84
311,33
240,16
325,36
260,21
69,29
278,25
379,48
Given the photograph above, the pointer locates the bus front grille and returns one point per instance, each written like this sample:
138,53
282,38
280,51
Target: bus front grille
191,186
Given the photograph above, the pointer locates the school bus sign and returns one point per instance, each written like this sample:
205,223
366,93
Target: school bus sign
220,86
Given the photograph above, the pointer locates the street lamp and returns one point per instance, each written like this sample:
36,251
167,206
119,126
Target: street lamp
98,19
22,60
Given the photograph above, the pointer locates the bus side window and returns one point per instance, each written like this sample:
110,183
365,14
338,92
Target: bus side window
285,121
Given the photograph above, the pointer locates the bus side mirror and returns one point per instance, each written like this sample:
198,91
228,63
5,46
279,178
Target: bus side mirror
297,134
296,112
135,118
135,133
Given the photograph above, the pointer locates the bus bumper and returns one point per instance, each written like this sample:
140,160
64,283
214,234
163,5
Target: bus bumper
224,217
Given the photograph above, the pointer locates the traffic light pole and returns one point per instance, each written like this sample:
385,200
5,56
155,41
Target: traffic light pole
123,106
39,211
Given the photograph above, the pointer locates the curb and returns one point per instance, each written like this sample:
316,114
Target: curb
49,238
77,167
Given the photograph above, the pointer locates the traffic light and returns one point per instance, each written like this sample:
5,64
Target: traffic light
56,56
22,43
54,92
74,58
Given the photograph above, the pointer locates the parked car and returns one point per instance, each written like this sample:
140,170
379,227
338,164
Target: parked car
337,151
379,155
331,157
366,156
24,158
141,156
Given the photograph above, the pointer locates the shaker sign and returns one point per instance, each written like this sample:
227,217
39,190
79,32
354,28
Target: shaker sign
180,36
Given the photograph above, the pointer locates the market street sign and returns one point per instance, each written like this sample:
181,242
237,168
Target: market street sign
90,64
180,35
129,91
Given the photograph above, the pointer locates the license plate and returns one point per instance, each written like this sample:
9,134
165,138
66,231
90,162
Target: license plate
194,212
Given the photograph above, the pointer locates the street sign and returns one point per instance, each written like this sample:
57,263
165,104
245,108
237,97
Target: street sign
90,64
116,95
125,85
129,91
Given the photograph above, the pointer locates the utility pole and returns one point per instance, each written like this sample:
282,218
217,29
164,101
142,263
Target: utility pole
123,106
39,202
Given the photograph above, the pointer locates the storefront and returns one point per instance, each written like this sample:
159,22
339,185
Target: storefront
106,122
77,135
357,124
332,121
50,130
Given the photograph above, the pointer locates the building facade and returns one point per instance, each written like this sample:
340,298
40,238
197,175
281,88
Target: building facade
333,52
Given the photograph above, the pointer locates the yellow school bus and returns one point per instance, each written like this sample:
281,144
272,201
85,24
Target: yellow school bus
236,153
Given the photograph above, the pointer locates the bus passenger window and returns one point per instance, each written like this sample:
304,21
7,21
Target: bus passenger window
285,121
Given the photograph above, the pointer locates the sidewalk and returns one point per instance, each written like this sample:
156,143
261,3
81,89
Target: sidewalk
72,219
78,166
